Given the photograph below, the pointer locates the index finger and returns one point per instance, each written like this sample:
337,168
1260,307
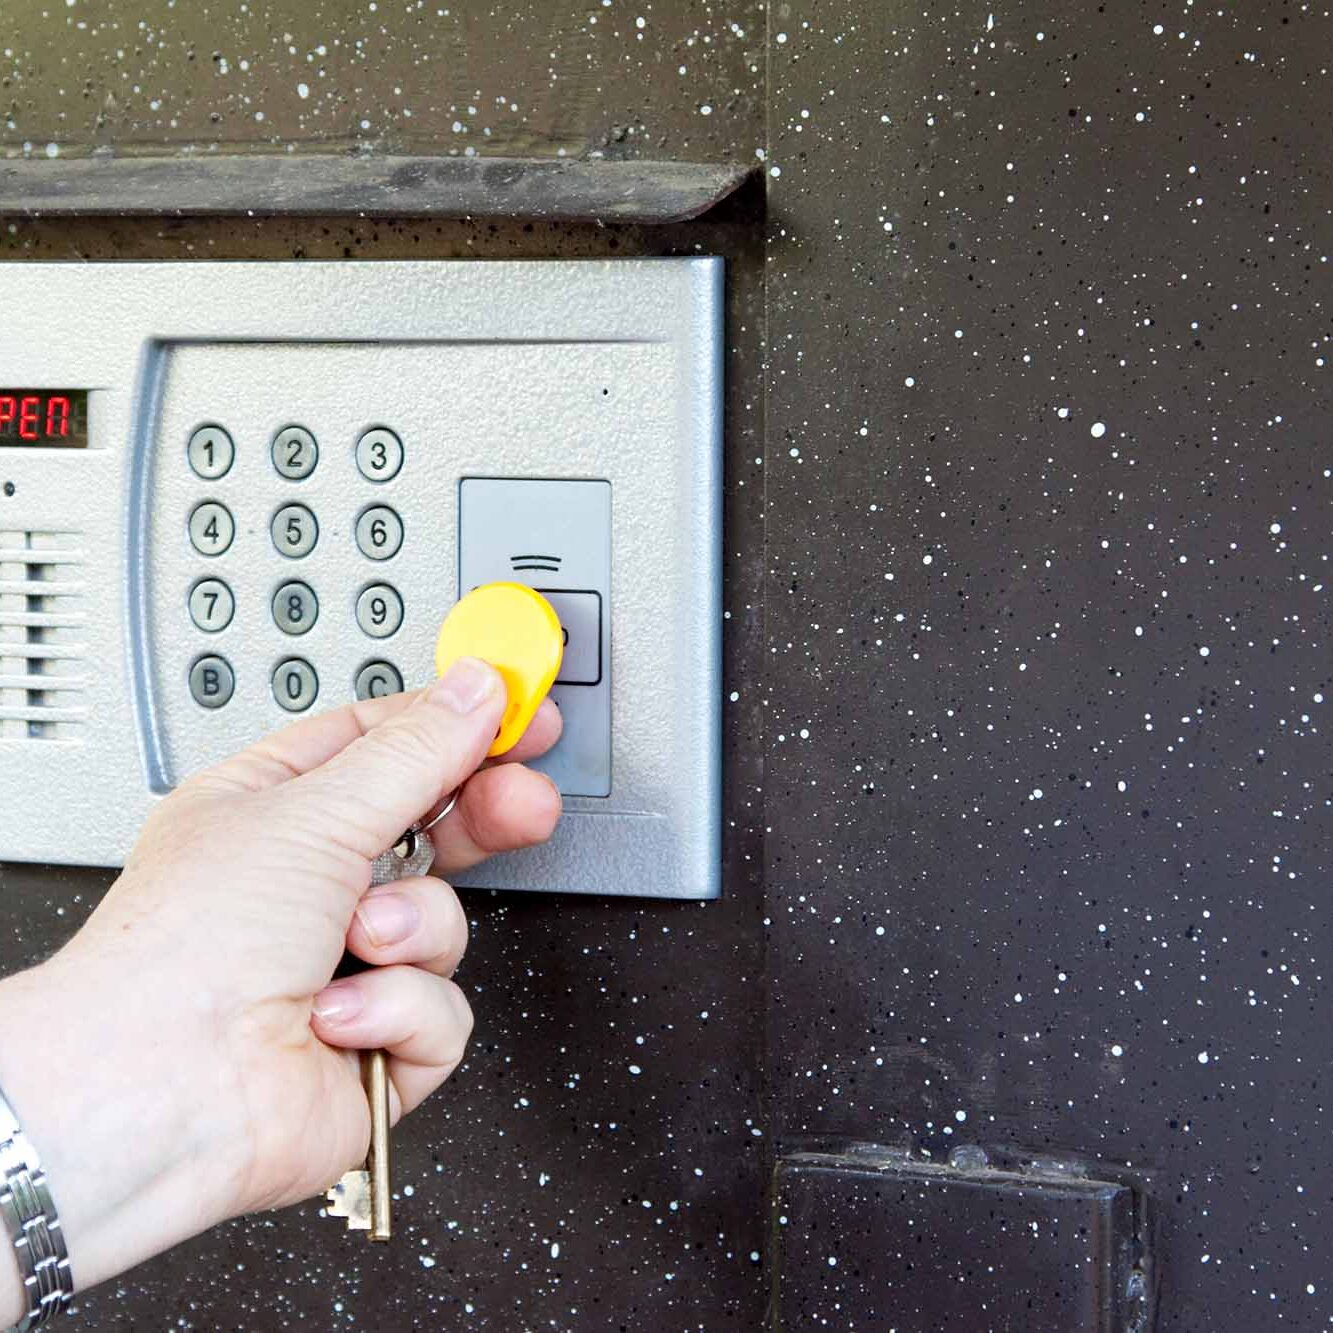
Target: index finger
305,745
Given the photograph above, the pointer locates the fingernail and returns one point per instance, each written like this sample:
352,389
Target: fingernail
465,686
339,1003
388,918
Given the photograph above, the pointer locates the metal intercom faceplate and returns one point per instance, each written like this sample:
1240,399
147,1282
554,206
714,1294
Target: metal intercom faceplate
289,474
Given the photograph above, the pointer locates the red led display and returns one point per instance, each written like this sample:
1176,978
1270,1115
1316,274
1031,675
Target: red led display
50,418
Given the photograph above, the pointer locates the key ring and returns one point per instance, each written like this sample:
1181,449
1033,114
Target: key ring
425,825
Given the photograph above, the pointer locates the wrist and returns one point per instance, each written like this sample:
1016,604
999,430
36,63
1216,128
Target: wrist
135,1158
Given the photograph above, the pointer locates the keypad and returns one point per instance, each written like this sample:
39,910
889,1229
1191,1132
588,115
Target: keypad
212,681
379,533
376,679
379,610
212,605
295,531
211,452
294,453
258,470
379,454
295,684
295,608
212,528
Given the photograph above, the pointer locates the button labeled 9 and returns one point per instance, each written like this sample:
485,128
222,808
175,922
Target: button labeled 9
379,610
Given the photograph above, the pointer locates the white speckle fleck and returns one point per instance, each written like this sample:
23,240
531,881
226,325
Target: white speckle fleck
927,559
805,733
555,1244
1037,794
1157,29
832,1261
426,1261
705,110
782,39
775,171
960,1116
1203,652
635,1070
303,91
1203,1057
1122,785
1018,997
1117,1050
910,381
53,150
1275,528
735,694
1098,429
1062,413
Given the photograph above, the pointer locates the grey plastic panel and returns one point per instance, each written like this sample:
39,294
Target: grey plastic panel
554,536
551,372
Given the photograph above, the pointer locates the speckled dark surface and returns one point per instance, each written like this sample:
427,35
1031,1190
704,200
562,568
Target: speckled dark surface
1048,531
1028,642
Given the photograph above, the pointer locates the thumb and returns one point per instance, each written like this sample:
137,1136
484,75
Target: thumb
380,784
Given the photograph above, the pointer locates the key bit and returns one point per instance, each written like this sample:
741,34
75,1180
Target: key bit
363,1196
350,1199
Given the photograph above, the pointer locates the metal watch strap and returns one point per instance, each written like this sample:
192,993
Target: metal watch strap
34,1226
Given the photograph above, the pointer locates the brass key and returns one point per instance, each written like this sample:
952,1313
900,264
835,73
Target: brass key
364,1196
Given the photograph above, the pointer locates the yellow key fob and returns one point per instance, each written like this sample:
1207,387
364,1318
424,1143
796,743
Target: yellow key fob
518,632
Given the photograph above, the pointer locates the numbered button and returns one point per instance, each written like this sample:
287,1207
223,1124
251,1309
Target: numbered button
211,528
295,453
210,452
379,454
379,610
295,684
376,679
379,532
294,530
295,608
212,682
211,605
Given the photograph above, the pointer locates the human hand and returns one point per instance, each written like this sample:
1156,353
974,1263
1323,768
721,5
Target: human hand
185,1058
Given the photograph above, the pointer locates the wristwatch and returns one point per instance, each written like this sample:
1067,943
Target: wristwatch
34,1226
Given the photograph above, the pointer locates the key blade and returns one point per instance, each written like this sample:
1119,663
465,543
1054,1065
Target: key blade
350,1199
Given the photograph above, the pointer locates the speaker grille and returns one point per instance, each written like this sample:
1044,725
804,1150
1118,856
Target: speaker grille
43,674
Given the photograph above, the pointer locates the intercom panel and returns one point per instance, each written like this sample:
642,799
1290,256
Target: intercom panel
231,494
